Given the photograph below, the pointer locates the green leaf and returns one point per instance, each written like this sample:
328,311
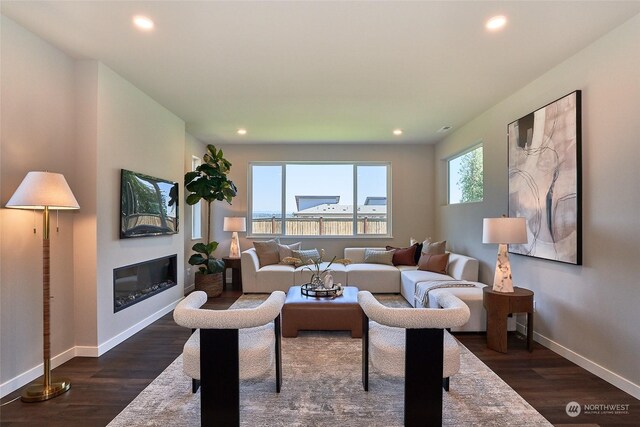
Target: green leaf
201,248
197,259
212,246
192,199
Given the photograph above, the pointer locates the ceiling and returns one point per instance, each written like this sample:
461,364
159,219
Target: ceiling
323,71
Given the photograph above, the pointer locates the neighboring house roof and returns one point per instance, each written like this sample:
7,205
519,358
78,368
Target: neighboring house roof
336,210
379,201
306,202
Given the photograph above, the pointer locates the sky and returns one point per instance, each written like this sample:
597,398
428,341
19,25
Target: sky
314,180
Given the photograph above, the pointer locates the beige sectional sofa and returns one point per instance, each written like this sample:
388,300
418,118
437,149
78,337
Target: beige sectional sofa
376,278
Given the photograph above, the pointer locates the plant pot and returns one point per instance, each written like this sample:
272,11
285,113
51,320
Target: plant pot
209,283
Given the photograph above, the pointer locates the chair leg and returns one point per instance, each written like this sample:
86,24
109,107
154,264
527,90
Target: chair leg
423,377
195,385
277,328
219,378
445,384
365,352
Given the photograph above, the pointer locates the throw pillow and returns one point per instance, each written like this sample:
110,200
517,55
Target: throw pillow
434,248
306,256
418,253
403,256
376,256
291,261
267,252
286,251
436,263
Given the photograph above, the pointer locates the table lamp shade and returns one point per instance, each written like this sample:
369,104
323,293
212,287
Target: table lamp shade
40,189
235,223
504,230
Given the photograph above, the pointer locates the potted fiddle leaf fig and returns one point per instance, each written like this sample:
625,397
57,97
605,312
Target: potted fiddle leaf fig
208,183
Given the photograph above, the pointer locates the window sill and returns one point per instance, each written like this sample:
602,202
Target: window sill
280,236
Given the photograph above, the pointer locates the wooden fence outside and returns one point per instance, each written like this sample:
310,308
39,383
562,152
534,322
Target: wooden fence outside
319,226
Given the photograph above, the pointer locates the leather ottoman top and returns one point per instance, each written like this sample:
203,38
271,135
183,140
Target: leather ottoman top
349,296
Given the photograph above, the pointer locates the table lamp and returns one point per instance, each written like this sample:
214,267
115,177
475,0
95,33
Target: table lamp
503,231
44,191
235,224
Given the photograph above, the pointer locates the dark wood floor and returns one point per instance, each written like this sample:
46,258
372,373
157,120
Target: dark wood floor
102,387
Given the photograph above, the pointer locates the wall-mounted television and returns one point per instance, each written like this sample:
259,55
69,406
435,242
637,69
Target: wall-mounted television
148,205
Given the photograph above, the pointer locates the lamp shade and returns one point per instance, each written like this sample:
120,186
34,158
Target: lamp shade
43,189
235,223
504,230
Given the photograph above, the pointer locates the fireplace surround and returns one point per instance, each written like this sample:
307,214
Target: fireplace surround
137,282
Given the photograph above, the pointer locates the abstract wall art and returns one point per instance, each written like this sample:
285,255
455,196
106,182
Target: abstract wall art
545,180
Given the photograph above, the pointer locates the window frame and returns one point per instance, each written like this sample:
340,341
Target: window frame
196,210
283,164
475,146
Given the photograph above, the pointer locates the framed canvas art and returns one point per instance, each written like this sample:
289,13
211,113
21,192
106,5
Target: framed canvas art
545,180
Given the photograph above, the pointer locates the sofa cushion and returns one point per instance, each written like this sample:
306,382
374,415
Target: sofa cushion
434,248
436,263
374,277
275,277
356,255
404,256
267,252
374,256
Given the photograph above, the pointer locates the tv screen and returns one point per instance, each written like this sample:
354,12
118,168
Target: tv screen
148,205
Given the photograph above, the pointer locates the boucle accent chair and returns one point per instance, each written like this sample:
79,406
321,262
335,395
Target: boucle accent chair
412,342
227,346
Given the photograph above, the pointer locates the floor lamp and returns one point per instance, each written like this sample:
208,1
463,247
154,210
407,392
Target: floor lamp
503,231
44,191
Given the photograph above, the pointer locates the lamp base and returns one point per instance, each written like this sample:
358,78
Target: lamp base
234,250
502,279
37,392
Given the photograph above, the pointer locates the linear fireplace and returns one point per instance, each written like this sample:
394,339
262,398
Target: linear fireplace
136,282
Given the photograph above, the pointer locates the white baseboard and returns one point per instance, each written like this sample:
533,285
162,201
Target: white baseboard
82,351
591,366
189,288
109,344
35,372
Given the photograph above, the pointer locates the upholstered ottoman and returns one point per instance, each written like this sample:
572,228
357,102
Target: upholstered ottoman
301,312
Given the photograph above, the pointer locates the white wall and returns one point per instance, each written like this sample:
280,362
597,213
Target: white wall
81,119
136,133
37,133
412,189
587,313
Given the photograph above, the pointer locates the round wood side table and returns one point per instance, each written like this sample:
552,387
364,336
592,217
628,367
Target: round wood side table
499,305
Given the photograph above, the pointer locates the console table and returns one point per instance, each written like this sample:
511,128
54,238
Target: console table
236,272
499,305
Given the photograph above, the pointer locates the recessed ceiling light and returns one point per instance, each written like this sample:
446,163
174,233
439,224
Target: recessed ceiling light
242,131
143,23
397,131
496,23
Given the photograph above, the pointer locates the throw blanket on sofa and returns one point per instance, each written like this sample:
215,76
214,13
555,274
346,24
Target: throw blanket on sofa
423,288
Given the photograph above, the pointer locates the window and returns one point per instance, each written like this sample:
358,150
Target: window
466,176
318,199
196,210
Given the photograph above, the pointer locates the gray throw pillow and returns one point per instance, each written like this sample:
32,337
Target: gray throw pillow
307,255
376,256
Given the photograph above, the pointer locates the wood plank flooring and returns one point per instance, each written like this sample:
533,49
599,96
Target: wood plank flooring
102,387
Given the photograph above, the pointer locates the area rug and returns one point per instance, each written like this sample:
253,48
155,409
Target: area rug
322,387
